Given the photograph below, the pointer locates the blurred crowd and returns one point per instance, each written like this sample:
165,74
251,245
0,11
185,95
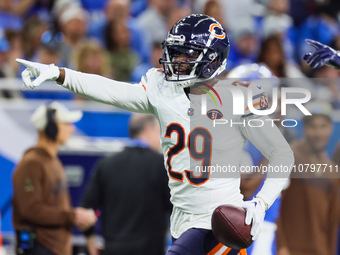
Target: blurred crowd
121,39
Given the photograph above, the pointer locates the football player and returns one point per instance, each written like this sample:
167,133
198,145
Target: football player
195,53
323,55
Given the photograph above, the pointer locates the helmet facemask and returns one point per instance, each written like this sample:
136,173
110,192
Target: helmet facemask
199,62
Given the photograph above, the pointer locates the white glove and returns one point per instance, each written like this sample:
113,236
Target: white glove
256,209
39,71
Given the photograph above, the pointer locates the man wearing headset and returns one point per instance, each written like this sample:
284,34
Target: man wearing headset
42,214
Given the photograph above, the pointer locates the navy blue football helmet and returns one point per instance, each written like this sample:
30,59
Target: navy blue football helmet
205,44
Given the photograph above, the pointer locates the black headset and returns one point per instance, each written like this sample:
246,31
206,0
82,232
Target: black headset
51,129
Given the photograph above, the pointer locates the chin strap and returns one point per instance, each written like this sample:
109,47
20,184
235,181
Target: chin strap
185,84
191,82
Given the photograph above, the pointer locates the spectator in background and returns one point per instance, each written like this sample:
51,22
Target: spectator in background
122,58
213,8
120,10
131,189
156,49
326,85
49,51
38,8
155,18
336,42
232,11
309,215
31,35
246,43
278,22
336,155
272,55
41,203
89,57
4,66
73,24
8,19
4,47
141,69
96,16
15,51
138,6
177,14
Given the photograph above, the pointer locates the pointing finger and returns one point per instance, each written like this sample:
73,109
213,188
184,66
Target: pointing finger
315,44
24,62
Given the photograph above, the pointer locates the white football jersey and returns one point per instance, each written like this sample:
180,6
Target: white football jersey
173,109
175,112
188,141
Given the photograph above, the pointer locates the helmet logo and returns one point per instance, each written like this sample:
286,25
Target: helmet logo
212,29
175,39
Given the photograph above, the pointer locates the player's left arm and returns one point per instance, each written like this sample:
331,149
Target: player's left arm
269,140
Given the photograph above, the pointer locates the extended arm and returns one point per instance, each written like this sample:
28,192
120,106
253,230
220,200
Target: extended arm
126,96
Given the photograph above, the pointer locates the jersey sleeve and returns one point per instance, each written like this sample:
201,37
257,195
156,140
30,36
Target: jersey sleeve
131,97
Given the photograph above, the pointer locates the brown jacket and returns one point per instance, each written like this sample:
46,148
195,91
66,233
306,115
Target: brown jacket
308,221
41,200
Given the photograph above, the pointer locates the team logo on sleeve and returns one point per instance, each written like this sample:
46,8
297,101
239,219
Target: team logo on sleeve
214,114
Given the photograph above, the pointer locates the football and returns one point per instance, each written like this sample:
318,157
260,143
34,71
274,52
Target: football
229,228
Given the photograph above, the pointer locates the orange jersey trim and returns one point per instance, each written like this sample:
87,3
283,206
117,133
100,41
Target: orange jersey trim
258,103
243,252
142,84
216,249
219,247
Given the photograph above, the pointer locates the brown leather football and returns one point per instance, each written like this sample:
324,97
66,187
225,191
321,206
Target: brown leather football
229,228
